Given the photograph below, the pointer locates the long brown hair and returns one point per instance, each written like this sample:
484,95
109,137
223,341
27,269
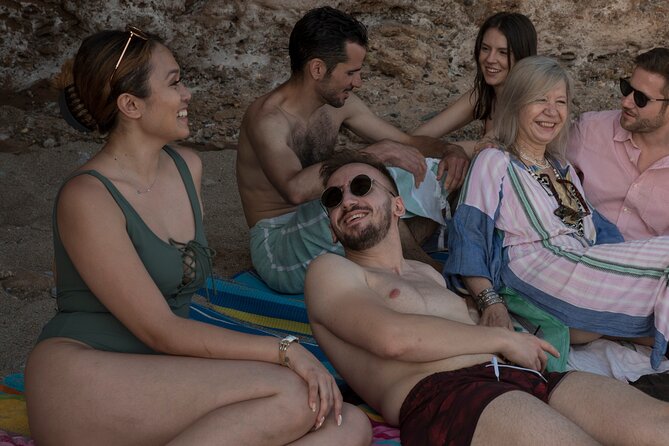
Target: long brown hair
521,42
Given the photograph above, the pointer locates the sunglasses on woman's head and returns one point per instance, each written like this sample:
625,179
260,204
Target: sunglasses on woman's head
640,99
134,32
359,186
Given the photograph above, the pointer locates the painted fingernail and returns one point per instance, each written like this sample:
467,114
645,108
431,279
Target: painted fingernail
339,420
313,407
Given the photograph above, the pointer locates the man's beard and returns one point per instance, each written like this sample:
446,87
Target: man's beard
331,96
368,237
644,125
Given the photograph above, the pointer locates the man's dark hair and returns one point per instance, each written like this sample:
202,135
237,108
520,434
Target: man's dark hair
344,157
323,33
656,61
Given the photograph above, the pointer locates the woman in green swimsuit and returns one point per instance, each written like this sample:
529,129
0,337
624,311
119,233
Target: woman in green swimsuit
121,363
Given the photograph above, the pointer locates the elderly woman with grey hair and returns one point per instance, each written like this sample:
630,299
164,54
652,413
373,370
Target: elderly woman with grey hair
523,223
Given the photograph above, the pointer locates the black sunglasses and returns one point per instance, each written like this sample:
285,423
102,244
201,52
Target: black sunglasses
640,99
359,186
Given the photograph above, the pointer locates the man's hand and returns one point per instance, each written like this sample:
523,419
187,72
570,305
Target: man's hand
455,161
496,315
396,154
529,351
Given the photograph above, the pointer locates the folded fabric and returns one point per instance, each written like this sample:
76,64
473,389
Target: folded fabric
621,360
429,199
528,317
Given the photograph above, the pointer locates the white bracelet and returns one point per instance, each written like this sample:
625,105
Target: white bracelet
283,348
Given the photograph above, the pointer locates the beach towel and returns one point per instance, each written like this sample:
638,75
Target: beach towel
245,303
382,433
14,429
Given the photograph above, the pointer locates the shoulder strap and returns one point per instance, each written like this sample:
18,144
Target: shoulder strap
118,197
187,179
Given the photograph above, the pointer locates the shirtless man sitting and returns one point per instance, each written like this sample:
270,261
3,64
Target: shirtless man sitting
287,133
412,350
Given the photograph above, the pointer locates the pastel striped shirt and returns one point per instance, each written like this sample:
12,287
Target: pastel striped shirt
504,229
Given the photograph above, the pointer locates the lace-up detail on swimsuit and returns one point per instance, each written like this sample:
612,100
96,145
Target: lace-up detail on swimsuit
194,257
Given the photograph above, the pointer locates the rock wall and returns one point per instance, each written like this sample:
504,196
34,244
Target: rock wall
231,51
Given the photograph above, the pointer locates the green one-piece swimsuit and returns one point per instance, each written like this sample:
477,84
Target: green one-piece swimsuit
83,317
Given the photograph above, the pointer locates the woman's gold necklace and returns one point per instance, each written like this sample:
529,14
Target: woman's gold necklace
125,174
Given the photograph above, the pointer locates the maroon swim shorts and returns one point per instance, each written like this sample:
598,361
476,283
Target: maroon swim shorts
444,408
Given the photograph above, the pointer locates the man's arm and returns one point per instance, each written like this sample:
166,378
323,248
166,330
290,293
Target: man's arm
399,149
361,319
269,136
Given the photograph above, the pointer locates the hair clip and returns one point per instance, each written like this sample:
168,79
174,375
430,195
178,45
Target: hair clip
67,114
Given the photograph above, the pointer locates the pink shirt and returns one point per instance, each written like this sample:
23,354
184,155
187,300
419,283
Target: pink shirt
606,157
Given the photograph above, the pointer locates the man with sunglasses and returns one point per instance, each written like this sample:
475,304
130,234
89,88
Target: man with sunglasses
623,155
287,133
412,350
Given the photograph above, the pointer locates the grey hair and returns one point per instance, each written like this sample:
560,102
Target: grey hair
530,79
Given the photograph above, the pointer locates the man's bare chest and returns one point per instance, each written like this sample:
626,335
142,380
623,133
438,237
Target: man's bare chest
315,140
419,295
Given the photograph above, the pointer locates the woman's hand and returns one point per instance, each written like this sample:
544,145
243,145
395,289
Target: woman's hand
321,384
496,315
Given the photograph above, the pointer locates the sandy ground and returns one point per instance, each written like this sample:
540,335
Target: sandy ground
29,180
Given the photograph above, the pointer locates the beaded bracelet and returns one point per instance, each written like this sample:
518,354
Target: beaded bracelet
488,297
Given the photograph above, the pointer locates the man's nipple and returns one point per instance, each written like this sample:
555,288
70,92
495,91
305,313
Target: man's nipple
394,293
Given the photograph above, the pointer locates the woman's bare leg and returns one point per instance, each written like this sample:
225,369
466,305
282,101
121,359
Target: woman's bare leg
78,395
577,336
356,430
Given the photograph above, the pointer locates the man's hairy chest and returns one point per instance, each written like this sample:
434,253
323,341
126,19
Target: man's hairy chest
315,141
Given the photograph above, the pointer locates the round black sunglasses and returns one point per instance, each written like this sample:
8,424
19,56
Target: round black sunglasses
640,98
359,186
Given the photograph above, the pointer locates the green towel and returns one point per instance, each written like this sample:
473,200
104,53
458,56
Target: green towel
551,329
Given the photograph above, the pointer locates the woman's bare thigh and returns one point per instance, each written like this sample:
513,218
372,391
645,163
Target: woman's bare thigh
72,387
